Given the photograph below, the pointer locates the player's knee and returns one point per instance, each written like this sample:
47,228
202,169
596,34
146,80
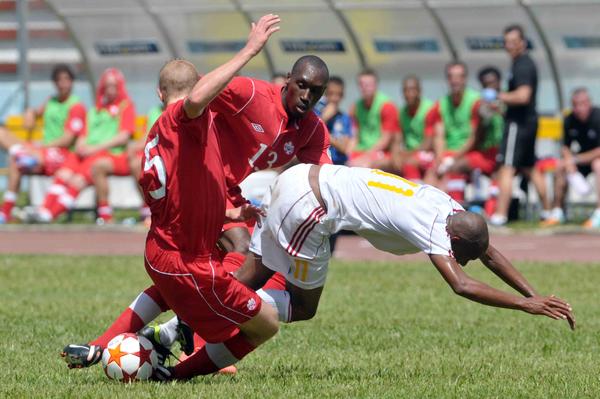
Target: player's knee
77,181
262,327
303,312
98,169
239,238
271,324
241,245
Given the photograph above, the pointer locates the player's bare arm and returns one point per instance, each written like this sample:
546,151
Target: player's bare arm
503,268
63,141
475,290
86,150
211,84
520,96
244,213
586,158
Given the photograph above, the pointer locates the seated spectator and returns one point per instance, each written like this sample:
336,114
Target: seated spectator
135,152
376,119
411,152
338,122
480,157
453,122
64,120
580,157
100,151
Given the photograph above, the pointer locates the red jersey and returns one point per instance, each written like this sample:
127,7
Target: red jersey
183,181
255,132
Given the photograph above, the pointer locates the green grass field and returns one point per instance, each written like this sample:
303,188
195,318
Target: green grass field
383,330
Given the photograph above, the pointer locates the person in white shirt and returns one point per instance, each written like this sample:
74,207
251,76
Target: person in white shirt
308,203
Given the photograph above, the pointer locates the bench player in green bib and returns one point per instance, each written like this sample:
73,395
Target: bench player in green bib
64,120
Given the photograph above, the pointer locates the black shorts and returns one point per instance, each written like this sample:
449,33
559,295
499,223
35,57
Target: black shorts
584,169
518,143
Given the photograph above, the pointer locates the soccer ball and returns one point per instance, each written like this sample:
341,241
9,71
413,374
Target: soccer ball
129,357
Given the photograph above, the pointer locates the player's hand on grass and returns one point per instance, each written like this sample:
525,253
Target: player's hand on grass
245,212
261,31
550,306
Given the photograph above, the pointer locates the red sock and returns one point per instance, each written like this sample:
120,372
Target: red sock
142,310
203,361
411,172
56,189
10,198
492,201
233,261
456,186
276,282
104,211
63,203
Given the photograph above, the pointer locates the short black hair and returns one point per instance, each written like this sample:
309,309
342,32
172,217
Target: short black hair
515,27
312,61
369,72
456,63
486,70
336,80
62,68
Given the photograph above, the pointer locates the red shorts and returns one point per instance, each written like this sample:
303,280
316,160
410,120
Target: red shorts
83,166
249,224
201,292
485,160
53,158
417,164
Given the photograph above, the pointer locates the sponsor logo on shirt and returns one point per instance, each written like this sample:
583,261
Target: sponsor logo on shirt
592,134
76,125
258,127
251,305
288,148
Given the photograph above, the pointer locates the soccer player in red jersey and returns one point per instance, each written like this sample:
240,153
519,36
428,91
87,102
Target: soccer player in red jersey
184,184
260,125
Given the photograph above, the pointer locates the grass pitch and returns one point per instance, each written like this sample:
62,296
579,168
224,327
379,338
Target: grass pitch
383,330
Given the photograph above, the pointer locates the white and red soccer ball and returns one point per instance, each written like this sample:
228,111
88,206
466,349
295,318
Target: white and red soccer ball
129,357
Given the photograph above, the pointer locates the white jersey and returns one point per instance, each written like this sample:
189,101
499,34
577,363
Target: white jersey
394,214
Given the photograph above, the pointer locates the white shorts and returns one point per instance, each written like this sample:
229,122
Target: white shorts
294,238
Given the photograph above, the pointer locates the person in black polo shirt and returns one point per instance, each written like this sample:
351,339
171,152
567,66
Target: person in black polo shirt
580,156
517,151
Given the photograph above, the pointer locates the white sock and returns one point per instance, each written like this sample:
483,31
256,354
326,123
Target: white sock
578,182
168,332
145,307
220,355
558,213
280,300
10,196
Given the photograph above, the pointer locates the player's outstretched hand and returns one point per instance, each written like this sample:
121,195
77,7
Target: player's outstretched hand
550,306
245,212
261,31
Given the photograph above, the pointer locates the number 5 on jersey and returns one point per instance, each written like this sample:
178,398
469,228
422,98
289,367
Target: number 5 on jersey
157,163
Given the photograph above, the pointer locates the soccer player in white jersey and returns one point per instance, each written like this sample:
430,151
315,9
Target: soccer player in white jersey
308,203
